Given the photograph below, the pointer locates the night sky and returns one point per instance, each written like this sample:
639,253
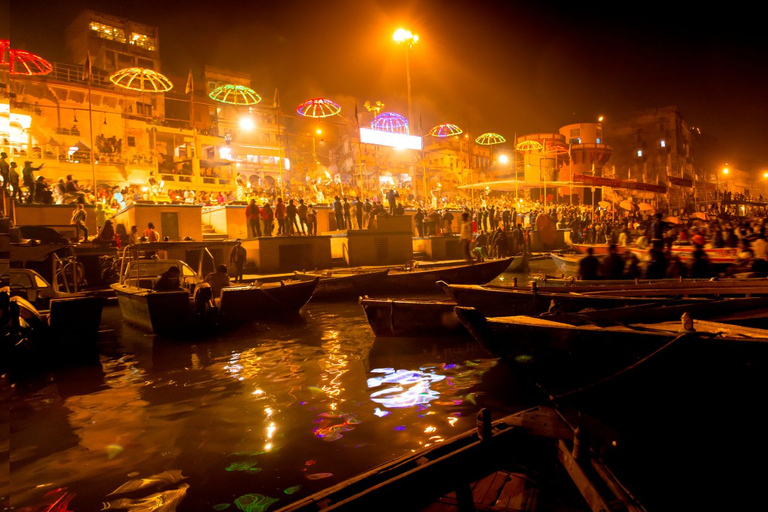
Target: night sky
486,65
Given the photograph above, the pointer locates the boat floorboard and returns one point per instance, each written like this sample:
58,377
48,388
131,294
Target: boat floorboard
500,491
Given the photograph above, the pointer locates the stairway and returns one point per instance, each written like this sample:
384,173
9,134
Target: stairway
210,234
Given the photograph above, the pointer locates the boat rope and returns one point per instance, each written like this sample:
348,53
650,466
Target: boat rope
626,369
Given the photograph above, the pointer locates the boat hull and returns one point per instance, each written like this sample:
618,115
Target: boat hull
344,285
425,280
412,318
164,312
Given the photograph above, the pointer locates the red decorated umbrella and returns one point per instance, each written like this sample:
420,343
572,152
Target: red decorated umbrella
490,139
445,130
141,79
558,149
318,107
22,62
235,95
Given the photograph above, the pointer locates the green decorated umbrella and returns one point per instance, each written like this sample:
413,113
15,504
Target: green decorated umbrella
235,95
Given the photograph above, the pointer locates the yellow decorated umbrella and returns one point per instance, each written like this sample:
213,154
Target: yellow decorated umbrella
235,95
141,79
529,145
489,139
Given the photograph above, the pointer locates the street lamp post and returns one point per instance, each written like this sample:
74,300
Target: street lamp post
403,36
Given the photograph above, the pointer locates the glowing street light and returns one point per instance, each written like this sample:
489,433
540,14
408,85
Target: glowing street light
246,123
403,36
503,159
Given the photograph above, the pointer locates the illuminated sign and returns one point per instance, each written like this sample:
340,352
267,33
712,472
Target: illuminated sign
394,140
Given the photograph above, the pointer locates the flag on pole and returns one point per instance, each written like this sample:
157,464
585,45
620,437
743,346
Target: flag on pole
357,117
276,101
190,84
87,71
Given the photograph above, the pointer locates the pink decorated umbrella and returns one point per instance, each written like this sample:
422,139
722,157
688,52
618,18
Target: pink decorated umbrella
141,79
235,95
490,139
390,122
445,130
318,107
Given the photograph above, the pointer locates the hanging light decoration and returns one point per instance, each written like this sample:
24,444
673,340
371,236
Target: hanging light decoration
141,79
235,95
445,130
390,122
529,145
489,139
21,62
318,107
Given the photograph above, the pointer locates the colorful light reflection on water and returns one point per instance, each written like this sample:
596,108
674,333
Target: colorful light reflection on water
230,423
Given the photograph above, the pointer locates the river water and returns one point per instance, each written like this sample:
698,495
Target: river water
272,412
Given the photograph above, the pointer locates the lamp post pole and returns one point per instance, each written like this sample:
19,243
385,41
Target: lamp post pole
403,36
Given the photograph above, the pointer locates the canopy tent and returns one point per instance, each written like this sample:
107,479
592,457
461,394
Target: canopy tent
512,185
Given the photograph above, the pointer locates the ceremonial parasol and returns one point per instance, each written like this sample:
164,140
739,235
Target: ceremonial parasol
700,215
489,139
318,107
390,122
235,95
528,145
672,220
445,130
627,205
141,79
645,207
604,204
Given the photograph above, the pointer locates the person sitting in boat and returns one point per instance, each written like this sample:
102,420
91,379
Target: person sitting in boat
106,234
169,280
613,264
218,280
588,266
700,267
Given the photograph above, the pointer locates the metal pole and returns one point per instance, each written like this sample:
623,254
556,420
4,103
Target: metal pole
279,149
408,79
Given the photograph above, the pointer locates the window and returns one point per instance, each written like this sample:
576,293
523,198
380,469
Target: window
575,133
131,142
108,32
639,153
143,41
663,143
144,109
599,140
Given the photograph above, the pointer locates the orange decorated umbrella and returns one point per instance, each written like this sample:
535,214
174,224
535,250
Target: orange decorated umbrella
141,79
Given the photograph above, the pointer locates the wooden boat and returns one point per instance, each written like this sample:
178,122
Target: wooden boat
412,317
423,280
717,256
597,249
502,301
566,355
40,339
344,283
520,263
530,457
264,301
567,263
183,311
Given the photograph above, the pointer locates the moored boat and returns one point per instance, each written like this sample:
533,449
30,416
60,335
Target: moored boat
424,280
565,355
344,283
502,301
412,317
533,456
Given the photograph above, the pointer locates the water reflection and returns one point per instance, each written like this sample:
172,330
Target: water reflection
269,412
